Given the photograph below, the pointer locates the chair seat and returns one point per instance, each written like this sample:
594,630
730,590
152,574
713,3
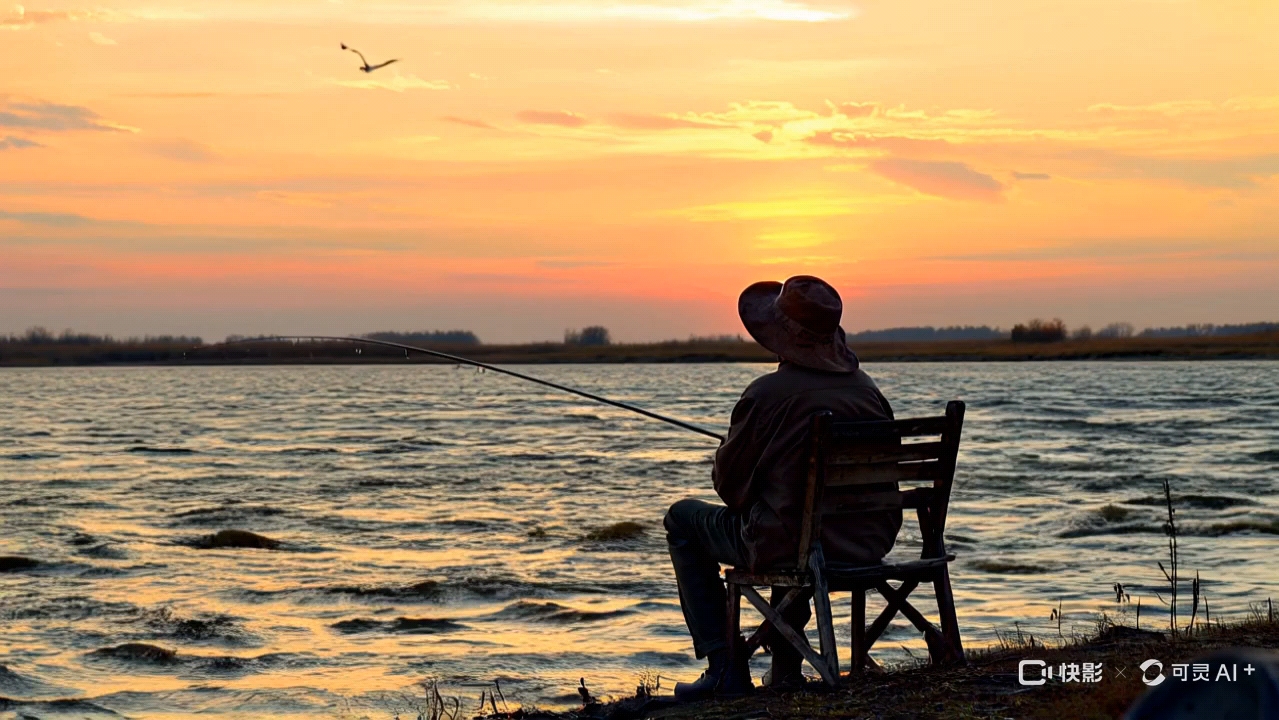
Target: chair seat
839,575
777,578
855,576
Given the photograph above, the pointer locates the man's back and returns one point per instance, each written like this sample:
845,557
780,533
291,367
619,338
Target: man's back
761,469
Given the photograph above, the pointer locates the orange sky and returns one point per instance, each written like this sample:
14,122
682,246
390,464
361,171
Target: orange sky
221,166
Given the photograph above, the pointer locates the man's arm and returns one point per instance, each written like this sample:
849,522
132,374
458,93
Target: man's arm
737,456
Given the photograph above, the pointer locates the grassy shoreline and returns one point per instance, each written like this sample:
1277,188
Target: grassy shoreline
1261,346
985,688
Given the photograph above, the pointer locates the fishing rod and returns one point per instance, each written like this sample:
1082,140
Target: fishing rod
475,363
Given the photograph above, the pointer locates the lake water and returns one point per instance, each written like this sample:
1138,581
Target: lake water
433,521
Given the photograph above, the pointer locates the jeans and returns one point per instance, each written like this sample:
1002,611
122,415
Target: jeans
701,537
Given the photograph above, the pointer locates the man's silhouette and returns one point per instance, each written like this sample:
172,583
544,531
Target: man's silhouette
760,473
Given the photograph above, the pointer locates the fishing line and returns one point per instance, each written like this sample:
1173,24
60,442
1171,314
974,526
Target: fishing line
475,363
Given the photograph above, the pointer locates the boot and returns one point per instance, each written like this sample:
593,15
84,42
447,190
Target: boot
721,678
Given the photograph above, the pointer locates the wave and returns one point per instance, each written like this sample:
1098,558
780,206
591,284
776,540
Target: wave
1011,567
66,608
160,450
424,590
159,658
487,588
412,626
226,514
59,706
225,629
1267,526
104,551
1206,502
18,563
138,653
31,456
308,451
1081,532
232,539
15,683
555,613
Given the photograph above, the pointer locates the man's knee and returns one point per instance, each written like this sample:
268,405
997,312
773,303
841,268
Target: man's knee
678,516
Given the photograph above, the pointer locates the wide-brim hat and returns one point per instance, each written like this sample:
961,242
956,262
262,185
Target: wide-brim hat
799,321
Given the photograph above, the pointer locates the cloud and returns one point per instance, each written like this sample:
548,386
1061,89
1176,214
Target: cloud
19,18
14,142
764,136
890,143
54,118
663,122
469,122
687,12
855,109
396,83
789,240
574,264
944,179
1136,249
1031,176
49,219
100,39
181,150
504,278
1232,173
490,12
799,207
563,118
764,112
1172,108
177,95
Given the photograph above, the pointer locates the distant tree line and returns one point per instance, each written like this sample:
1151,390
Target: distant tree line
1034,331
427,337
593,335
714,339
929,334
1055,331
1205,330
1039,331
42,336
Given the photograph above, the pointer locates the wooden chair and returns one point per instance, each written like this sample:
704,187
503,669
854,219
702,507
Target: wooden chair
856,467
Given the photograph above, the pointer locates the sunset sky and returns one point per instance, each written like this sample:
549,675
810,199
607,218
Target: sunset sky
221,166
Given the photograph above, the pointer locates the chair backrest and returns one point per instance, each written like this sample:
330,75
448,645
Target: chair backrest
856,467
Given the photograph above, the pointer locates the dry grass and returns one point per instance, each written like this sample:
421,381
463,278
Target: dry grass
986,688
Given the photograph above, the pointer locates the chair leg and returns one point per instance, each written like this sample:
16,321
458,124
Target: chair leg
946,612
894,599
858,661
734,624
796,639
825,623
757,638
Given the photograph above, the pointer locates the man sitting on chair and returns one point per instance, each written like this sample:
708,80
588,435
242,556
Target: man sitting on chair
761,472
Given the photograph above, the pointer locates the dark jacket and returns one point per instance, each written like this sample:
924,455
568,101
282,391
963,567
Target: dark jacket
761,468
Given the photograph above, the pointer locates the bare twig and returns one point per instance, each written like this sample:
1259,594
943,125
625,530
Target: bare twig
1194,603
501,695
1171,529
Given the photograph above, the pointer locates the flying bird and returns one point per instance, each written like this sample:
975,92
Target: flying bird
367,67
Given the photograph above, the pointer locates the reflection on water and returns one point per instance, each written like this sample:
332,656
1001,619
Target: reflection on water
436,523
